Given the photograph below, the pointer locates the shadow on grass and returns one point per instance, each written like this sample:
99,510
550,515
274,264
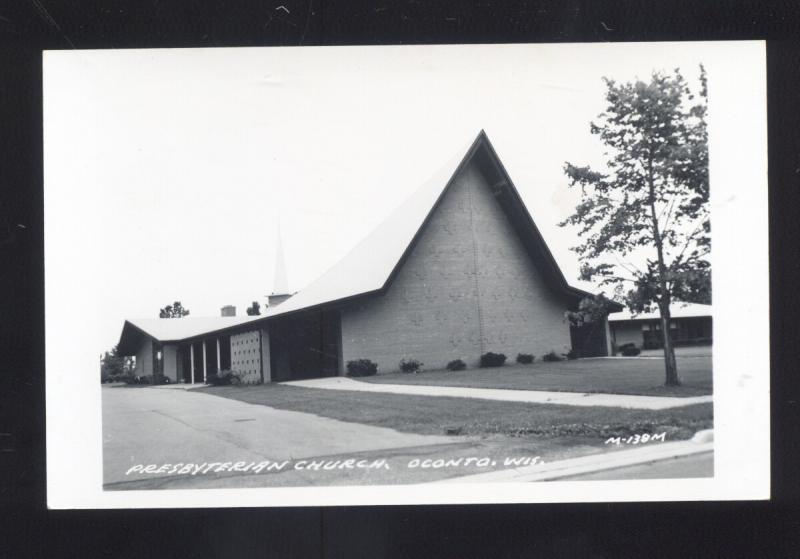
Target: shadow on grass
435,415
633,376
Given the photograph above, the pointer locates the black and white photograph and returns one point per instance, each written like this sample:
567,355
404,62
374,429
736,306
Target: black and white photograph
406,274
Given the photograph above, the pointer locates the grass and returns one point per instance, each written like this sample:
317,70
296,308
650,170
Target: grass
615,376
461,416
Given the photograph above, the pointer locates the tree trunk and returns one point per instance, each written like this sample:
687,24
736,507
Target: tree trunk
664,295
669,351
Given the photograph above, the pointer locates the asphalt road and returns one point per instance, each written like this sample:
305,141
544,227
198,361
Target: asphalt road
696,465
153,426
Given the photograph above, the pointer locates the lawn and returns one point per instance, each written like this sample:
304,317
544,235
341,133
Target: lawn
463,416
615,376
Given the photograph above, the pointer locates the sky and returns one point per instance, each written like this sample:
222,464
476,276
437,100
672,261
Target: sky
181,164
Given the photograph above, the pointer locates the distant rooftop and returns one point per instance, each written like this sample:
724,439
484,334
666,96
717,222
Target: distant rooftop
174,329
677,310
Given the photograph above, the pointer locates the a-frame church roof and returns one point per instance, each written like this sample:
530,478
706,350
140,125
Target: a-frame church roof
371,265
369,268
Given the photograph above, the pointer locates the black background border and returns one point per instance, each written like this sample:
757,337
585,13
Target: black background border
713,529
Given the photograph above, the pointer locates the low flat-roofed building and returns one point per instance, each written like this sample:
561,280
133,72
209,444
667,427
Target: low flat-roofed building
690,324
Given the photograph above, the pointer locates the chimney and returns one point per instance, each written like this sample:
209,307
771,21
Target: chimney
228,310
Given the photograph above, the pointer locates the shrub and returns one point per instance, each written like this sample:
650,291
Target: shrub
572,354
411,366
551,356
223,378
361,368
525,358
456,365
491,359
629,350
146,379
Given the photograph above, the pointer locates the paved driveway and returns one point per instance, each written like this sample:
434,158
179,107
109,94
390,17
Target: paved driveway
152,426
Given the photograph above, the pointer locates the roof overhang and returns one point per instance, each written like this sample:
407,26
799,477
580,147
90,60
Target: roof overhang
131,338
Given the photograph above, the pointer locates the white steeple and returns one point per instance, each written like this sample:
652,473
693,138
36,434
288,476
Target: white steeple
281,284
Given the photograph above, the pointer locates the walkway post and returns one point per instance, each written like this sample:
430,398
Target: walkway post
191,359
219,361
205,365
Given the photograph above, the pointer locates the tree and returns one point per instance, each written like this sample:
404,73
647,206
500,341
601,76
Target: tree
650,204
175,310
254,309
590,309
114,365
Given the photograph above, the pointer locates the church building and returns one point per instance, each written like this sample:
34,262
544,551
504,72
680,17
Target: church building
458,270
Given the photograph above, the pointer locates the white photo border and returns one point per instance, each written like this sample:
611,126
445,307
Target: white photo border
737,121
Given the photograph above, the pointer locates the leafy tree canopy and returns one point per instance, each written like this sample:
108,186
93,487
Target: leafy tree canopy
645,217
113,365
174,310
590,309
254,309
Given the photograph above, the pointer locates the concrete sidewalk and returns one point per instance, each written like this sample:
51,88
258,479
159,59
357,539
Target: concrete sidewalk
527,396
178,386
575,468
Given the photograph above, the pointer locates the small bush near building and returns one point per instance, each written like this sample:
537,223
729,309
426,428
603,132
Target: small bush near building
456,365
146,379
491,359
629,350
411,366
361,368
525,358
551,356
223,378
136,379
572,354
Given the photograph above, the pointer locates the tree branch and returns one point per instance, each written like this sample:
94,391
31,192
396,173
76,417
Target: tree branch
689,239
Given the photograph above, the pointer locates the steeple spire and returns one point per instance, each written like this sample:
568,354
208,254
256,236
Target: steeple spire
281,284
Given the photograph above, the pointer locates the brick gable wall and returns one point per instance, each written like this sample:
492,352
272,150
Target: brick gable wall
467,287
